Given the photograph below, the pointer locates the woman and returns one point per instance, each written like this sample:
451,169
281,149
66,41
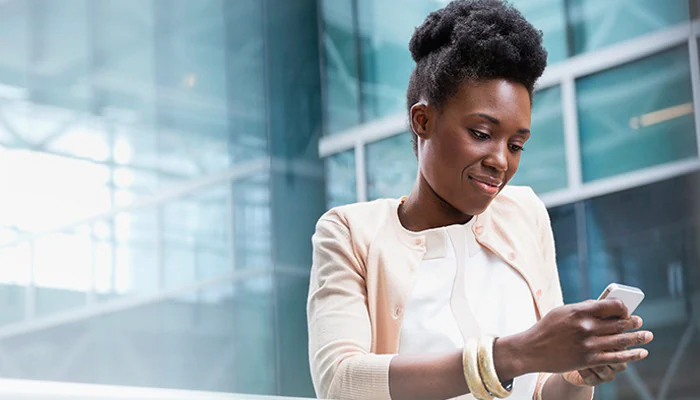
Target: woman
401,289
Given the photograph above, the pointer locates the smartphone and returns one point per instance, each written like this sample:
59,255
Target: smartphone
631,296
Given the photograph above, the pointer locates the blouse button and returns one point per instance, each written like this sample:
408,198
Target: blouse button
418,242
479,229
511,256
539,294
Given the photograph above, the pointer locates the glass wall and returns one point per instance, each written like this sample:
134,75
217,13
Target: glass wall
365,44
637,115
625,208
156,198
645,237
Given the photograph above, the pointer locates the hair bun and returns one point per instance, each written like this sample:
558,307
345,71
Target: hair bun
432,35
438,30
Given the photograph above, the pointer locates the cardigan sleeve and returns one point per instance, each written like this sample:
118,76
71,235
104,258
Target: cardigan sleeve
342,366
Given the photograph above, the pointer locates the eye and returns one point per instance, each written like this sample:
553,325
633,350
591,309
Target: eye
479,135
516,148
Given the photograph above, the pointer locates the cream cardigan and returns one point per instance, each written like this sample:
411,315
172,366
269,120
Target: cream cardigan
363,273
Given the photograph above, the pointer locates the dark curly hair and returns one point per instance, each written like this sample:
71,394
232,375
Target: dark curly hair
472,40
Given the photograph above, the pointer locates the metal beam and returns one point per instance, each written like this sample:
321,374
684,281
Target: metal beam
621,182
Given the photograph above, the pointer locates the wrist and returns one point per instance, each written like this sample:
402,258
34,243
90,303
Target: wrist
510,357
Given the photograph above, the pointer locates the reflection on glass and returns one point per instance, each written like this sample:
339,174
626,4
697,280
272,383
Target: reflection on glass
225,330
637,115
595,24
136,255
648,237
543,163
549,16
340,57
196,237
391,167
385,63
567,249
340,179
14,277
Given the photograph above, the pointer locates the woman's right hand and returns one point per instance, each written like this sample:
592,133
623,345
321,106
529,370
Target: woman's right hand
582,335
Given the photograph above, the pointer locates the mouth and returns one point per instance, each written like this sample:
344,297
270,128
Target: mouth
489,186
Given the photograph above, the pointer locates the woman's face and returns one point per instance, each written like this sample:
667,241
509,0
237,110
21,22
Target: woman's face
470,148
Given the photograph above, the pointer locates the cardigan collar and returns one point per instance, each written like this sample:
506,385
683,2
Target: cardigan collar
490,232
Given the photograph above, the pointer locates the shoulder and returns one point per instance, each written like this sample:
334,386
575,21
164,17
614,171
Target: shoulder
361,220
520,203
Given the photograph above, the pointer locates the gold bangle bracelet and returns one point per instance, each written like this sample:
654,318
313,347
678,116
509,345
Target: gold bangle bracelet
488,369
471,370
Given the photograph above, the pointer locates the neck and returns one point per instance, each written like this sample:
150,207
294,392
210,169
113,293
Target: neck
425,209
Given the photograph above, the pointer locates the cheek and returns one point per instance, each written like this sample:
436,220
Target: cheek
513,165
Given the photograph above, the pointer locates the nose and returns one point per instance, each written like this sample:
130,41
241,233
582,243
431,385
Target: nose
497,158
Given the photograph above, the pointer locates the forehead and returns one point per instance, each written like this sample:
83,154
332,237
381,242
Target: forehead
499,97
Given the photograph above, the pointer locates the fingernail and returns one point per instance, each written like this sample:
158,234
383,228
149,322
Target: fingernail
643,353
648,336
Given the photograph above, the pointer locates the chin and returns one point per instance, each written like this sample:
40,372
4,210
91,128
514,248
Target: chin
476,204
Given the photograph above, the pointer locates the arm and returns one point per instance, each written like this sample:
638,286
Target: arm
342,366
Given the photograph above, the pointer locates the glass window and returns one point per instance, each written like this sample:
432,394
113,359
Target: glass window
549,16
598,23
567,241
648,237
543,163
227,331
14,277
391,167
386,64
340,55
637,115
195,233
386,61
340,179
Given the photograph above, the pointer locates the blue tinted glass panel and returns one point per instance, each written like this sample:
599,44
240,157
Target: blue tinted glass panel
599,23
567,241
340,179
543,163
340,56
637,115
647,237
391,167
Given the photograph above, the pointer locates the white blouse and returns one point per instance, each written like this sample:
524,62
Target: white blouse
465,291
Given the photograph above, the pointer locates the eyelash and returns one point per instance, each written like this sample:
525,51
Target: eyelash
483,136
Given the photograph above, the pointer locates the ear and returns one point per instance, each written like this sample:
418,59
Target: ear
421,118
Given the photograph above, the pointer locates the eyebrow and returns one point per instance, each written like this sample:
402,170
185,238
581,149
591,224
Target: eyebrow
495,121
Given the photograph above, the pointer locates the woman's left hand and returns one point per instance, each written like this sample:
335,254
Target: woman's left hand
594,376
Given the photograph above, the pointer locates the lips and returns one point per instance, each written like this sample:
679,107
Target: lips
488,185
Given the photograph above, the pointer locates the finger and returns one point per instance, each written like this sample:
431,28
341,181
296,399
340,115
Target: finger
618,367
589,377
605,373
618,357
608,308
618,325
638,321
621,341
